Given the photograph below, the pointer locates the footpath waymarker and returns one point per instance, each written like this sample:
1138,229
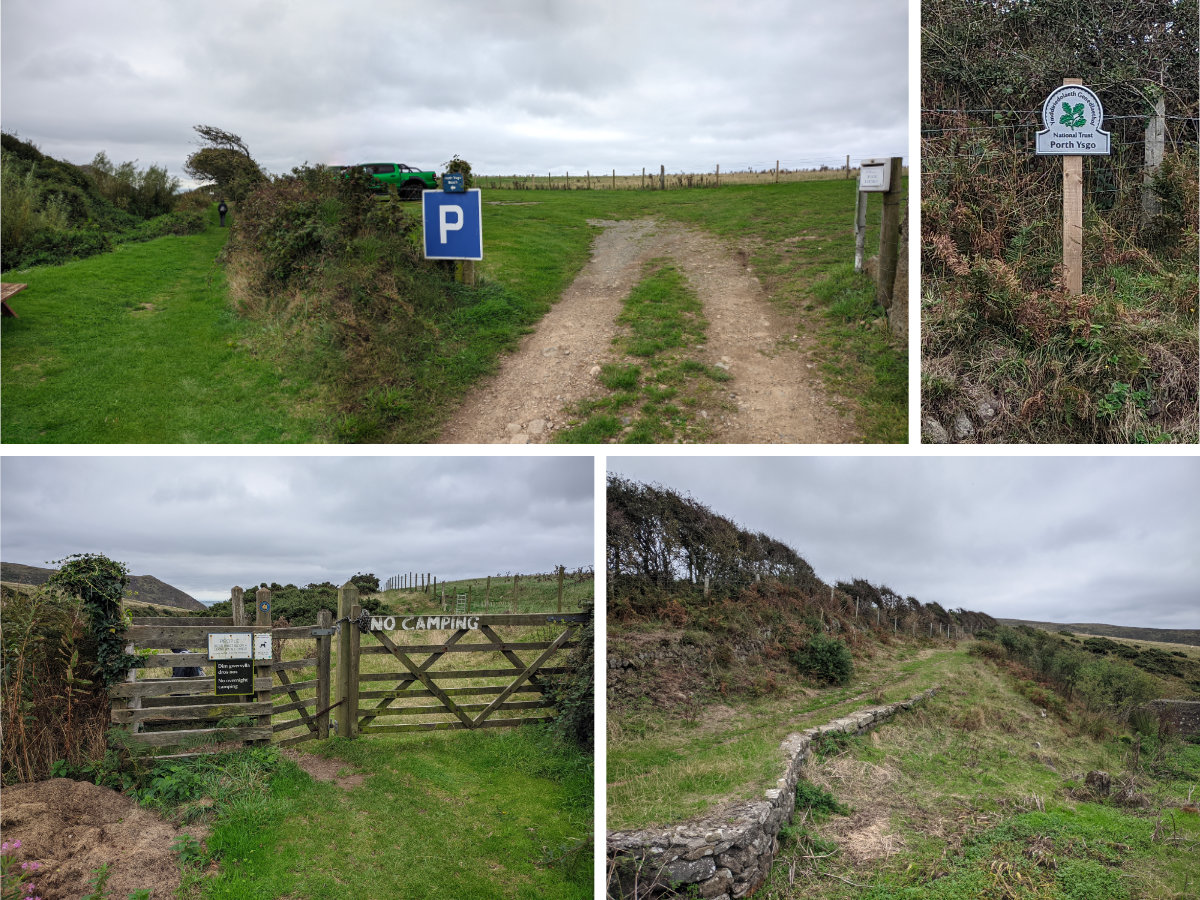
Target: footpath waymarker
1072,116
453,224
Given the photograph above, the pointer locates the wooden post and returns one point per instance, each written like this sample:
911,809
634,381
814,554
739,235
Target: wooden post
860,229
718,174
847,165
468,598
706,584
889,236
324,620
347,597
1156,137
643,177
513,604
239,606
777,171
1072,219
355,648
560,587
469,272
614,179
662,177
262,617
487,594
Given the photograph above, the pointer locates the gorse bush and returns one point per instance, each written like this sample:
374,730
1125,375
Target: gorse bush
300,605
825,659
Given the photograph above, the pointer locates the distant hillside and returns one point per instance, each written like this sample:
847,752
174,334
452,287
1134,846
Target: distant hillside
143,588
1164,635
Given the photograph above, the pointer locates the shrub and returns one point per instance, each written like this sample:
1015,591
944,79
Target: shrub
53,708
573,694
826,659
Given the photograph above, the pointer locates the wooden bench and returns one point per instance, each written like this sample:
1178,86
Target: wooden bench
6,291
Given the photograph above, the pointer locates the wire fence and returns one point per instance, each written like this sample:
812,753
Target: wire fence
961,142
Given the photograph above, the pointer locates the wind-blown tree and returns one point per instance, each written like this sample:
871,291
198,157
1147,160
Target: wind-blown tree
224,161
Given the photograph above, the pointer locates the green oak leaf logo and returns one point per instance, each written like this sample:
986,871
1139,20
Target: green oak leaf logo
1072,117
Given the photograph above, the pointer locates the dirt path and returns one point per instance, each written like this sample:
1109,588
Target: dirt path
778,396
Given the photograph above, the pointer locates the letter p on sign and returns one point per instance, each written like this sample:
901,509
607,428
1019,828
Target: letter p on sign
453,224
447,226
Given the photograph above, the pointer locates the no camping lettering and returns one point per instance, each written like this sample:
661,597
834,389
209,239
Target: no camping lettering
425,623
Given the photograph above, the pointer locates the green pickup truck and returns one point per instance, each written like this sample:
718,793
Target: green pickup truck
409,182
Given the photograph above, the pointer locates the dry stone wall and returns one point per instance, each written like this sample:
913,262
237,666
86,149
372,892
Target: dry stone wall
728,854
1184,715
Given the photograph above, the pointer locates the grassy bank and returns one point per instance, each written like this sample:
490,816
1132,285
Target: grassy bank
139,346
667,766
979,794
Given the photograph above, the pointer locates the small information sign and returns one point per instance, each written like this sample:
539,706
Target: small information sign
1072,116
262,647
874,175
454,183
229,646
234,677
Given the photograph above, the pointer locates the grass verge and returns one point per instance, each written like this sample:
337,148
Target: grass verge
658,398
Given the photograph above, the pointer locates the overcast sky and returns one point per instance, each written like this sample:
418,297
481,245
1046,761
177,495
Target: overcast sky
519,86
207,524
1081,539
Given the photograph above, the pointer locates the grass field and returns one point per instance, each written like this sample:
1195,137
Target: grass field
533,593
141,344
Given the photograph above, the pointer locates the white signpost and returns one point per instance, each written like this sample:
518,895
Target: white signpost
1072,116
230,646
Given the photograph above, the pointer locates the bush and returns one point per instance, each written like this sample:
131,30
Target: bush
826,659
574,693
53,705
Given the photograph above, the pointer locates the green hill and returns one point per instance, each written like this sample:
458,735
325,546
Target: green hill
1161,635
142,588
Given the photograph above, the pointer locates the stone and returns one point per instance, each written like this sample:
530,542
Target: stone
963,428
719,884
594,371
932,432
537,426
685,871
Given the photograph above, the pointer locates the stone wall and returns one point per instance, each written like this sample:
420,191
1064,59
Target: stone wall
728,854
1184,715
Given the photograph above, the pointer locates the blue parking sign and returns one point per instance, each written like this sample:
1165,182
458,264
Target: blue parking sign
453,224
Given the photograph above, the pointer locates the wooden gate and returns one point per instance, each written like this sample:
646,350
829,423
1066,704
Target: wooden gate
183,715
463,697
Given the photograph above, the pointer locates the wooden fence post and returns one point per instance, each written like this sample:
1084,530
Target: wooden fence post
662,177
487,594
239,607
718,174
643,177
512,608
262,617
860,229
847,165
614,179
324,620
777,171
889,236
355,646
560,587
1072,220
1156,138
347,595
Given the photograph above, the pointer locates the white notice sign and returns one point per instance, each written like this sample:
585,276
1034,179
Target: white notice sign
262,646
1072,116
229,646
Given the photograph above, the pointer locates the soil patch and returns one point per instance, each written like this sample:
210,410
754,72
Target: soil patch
776,395
72,828
323,769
